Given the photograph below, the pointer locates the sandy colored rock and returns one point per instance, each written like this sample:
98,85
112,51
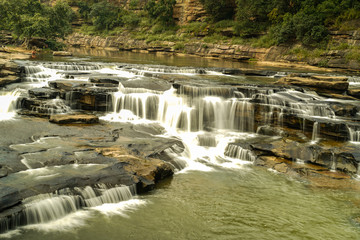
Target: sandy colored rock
149,170
329,78
8,80
79,118
318,84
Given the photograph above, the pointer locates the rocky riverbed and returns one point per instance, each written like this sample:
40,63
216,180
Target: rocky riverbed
81,125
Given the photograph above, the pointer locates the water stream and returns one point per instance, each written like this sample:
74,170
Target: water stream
216,193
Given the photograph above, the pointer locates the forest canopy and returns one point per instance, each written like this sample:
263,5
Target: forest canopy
279,21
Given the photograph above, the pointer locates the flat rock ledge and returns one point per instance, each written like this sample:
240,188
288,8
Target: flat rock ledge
147,171
74,118
319,83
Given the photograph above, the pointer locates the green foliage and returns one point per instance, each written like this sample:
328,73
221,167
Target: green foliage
55,46
290,21
131,20
31,18
105,16
179,46
134,4
196,28
215,38
219,10
308,28
61,16
161,10
84,10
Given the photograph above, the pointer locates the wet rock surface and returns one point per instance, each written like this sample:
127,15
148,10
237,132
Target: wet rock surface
74,156
291,130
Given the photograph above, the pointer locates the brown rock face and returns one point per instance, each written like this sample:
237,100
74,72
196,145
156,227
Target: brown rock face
186,11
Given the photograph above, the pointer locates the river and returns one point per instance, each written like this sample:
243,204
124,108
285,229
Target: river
215,196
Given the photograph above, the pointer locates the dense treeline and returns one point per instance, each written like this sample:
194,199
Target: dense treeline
30,18
306,21
278,21
274,22
289,20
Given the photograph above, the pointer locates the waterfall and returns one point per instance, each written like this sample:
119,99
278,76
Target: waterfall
294,102
354,134
235,151
315,132
195,92
49,207
8,104
46,208
333,162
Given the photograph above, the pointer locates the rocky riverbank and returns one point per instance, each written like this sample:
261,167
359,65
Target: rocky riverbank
331,60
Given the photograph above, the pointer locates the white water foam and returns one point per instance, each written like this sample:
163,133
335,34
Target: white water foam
8,104
65,224
10,234
121,208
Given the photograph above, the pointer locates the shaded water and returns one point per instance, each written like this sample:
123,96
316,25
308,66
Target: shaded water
218,195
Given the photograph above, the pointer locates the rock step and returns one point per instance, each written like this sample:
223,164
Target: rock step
73,118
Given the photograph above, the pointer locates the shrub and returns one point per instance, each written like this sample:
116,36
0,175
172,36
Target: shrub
131,20
179,46
161,10
105,16
219,10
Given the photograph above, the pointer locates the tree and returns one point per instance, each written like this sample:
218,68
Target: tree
161,10
220,10
105,16
31,18
60,17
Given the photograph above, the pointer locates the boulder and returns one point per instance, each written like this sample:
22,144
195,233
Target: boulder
107,79
44,93
69,85
74,118
148,170
151,84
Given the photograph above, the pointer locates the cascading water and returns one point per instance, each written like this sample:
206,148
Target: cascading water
354,134
8,104
315,132
240,153
46,208
215,124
